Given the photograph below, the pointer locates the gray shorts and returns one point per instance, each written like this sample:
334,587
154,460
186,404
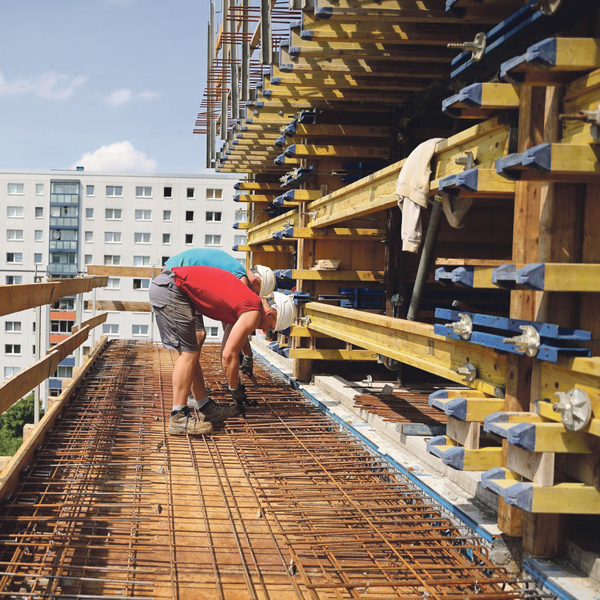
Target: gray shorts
176,318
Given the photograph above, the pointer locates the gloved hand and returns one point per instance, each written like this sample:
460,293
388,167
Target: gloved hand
247,365
239,395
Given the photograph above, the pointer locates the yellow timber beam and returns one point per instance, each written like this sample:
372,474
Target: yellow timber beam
409,342
263,233
244,226
487,141
306,353
320,94
428,52
318,130
254,198
258,186
324,275
305,332
358,66
334,151
405,32
266,248
341,233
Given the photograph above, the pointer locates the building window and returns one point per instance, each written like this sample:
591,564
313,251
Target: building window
14,279
214,217
87,259
141,284
12,349
89,213
166,238
14,258
190,193
114,283
14,235
239,240
37,258
63,372
189,239
88,236
14,212
189,215
166,215
39,189
39,235
16,189
212,332
12,326
141,261
114,191
241,216
168,192
143,215
110,329
163,260
139,330
10,371
64,304
141,238
212,240
61,326
214,194
90,191
112,259
113,214
39,212
112,237
143,192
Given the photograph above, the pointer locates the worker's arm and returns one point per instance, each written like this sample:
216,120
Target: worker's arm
238,334
246,348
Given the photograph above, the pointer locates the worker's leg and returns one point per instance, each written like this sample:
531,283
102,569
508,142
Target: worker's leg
175,320
199,395
185,375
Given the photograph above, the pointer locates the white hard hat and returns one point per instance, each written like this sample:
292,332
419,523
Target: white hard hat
286,310
267,280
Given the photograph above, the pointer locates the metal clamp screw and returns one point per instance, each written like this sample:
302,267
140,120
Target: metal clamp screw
528,342
575,409
469,371
464,327
476,47
468,161
587,116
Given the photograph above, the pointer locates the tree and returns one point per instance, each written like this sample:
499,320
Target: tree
11,425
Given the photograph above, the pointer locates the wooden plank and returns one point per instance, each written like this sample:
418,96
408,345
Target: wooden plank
90,323
339,233
464,433
535,466
110,271
14,298
264,232
318,354
121,306
320,95
305,332
335,151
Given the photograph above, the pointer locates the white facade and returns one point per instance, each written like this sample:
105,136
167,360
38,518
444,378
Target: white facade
120,220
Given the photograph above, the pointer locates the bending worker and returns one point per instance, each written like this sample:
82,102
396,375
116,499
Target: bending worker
176,296
260,279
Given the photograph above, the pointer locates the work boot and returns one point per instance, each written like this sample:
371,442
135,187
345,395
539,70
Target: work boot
183,422
217,413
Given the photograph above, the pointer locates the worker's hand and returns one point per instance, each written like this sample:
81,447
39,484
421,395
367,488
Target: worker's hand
239,395
247,365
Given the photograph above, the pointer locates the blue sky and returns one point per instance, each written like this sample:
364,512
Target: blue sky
114,85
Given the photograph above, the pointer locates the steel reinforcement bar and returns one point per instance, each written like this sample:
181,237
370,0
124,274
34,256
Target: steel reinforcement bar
281,504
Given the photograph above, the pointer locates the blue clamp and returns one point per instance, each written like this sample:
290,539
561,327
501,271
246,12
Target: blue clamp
504,276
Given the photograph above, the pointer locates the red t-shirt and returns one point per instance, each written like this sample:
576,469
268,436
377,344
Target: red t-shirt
216,293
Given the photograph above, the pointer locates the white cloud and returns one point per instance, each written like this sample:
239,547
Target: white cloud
120,157
49,85
125,96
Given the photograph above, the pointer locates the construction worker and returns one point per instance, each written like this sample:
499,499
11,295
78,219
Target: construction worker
260,279
176,296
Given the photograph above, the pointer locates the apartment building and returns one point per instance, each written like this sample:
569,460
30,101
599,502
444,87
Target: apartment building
56,223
